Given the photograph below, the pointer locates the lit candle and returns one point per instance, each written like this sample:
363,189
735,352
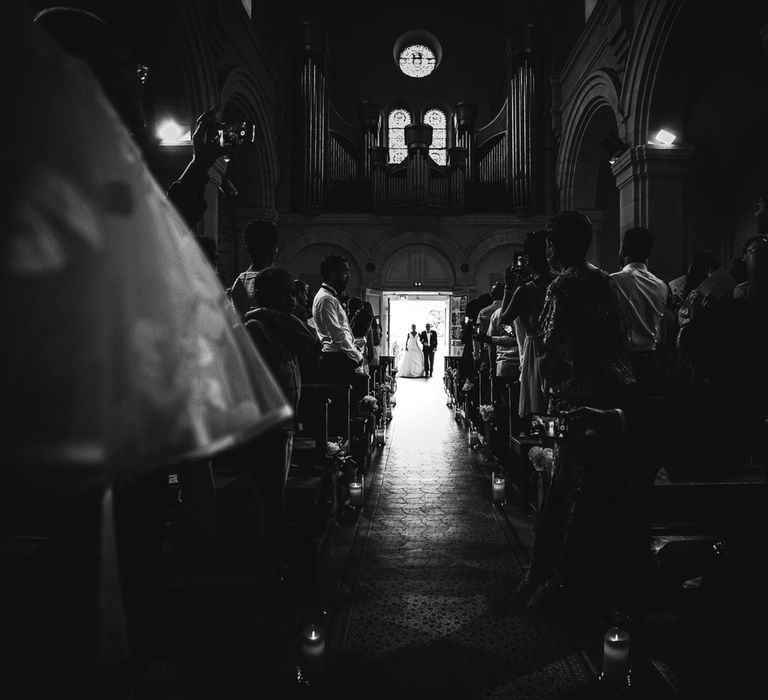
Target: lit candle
616,655
551,429
499,486
356,493
473,439
312,649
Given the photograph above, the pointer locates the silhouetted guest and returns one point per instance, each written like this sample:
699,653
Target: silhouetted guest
584,361
690,301
302,300
483,321
643,299
755,288
361,323
522,306
261,244
339,356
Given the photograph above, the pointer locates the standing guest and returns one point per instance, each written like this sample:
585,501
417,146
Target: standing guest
339,356
280,336
484,319
261,244
755,289
361,323
643,299
521,306
302,300
584,362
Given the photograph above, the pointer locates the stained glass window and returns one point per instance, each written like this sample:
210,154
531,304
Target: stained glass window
396,123
436,119
417,60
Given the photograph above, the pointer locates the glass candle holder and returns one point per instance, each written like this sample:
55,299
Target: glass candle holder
498,487
473,438
380,436
356,492
616,670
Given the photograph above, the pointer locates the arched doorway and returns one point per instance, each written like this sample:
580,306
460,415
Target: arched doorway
418,267
417,287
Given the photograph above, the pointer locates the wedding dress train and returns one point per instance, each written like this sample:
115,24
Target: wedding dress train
412,364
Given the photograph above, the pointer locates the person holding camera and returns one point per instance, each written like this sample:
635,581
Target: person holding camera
521,307
583,351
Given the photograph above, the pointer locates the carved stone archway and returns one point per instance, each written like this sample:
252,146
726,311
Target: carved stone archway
418,266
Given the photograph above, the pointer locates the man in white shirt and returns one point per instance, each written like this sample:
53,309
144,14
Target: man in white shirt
338,354
643,298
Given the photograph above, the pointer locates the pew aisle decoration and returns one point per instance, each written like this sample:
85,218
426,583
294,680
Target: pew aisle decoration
343,471
542,459
486,412
368,404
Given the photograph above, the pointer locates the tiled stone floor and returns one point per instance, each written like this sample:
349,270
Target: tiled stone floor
425,607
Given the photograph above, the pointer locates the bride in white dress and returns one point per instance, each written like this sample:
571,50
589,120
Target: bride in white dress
412,364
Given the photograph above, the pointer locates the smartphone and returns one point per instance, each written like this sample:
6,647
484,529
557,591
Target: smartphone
235,134
549,425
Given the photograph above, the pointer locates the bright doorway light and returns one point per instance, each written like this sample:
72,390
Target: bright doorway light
664,138
171,134
405,308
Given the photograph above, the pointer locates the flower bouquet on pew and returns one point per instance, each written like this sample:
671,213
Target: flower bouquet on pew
368,404
487,412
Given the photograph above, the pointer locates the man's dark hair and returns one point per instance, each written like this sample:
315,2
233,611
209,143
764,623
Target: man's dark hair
268,285
261,240
573,232
497,291
330,264
637,243
535,248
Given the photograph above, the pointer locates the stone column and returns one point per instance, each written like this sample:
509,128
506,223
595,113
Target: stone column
651,181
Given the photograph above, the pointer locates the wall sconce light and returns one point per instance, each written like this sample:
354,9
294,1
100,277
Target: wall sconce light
171,134
664,138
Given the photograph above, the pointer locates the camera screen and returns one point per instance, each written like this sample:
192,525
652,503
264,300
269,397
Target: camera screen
236,134
551,426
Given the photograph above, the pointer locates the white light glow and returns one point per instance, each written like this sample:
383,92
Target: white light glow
171,134
664,137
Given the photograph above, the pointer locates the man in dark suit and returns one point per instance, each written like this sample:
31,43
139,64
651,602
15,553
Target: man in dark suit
428,339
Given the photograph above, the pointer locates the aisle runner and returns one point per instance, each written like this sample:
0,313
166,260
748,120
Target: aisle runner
425,607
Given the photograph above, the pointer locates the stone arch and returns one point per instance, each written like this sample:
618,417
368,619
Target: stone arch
654,26
318,236
442,243
305,265
418,266
514,237
598,93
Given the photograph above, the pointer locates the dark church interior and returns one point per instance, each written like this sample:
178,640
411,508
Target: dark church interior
412,350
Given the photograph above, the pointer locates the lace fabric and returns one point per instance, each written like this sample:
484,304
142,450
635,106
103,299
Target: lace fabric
121,351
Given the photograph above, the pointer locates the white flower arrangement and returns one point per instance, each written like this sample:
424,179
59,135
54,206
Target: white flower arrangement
486,411
468,386
541,457
368,403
